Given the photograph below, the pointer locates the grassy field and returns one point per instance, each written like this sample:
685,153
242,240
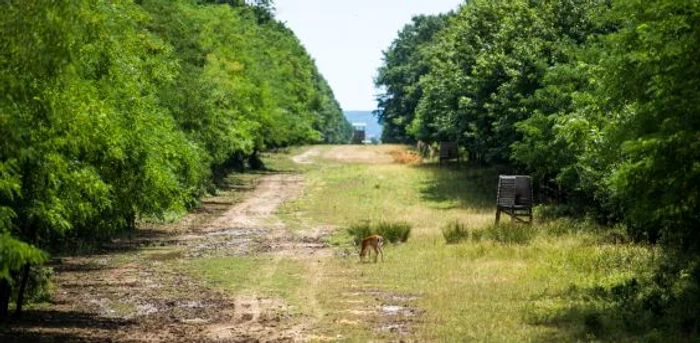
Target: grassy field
511,283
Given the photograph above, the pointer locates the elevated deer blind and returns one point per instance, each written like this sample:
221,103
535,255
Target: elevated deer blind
449,151
514,197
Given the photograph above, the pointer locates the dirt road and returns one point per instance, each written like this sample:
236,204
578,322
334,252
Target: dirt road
132,292
142,289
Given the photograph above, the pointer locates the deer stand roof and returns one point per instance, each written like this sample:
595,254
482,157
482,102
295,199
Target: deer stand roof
514,198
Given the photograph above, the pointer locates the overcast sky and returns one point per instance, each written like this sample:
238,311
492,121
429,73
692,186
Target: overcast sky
346,38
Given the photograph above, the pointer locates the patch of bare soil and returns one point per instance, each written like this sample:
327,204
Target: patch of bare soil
362,154
394,313
307,156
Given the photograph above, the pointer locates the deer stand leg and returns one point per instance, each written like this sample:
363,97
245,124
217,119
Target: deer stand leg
498,215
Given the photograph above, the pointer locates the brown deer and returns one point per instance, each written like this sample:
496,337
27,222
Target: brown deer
375,242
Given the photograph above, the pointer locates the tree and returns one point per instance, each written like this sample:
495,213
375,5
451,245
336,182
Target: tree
115,111
87,149
598,100
405,62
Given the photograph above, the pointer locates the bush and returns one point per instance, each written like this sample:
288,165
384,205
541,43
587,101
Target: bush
360,231
567,226
455,232
618,234
511,233
39,285
392,232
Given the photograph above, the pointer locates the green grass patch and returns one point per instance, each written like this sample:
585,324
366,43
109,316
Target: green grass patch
511,233
455,232
280,160
393,232
262,275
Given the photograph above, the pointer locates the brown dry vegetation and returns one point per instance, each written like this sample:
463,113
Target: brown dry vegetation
406,157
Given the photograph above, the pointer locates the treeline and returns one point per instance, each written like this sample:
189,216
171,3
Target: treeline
597,99
115,110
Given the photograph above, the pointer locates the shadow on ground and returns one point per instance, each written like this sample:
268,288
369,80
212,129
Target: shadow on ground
621,313
127,241
57,326
460,186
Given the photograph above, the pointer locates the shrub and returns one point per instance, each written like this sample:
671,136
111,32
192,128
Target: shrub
455,232
511,233
618,234
395,232
360,231
39,285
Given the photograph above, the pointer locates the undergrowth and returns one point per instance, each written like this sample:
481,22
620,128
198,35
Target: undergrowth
455,232
394,232
511,233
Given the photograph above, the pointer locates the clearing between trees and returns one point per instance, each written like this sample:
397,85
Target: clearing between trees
268,259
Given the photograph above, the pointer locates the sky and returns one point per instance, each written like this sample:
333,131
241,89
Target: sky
346,39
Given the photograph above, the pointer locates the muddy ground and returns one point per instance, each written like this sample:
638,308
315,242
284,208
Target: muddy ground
133,292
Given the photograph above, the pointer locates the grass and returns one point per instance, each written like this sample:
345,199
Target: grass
392,232
455,232
507,283
281,161
339,194
511,233
252,276
500,285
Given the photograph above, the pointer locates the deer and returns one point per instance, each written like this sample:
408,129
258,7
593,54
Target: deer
375,242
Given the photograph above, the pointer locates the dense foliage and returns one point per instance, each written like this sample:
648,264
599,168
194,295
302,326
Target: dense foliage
115,110
596,99
405,61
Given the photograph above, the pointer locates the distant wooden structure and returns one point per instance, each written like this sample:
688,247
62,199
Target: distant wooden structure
449,151
514,197
359,133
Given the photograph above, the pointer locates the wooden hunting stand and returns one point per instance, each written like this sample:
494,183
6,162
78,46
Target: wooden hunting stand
359,133
449,151
514,197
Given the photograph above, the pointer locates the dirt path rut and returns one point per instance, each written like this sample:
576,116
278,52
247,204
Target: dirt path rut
135,292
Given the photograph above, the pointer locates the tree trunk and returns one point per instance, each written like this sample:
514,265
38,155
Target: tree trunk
5,291
22,288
